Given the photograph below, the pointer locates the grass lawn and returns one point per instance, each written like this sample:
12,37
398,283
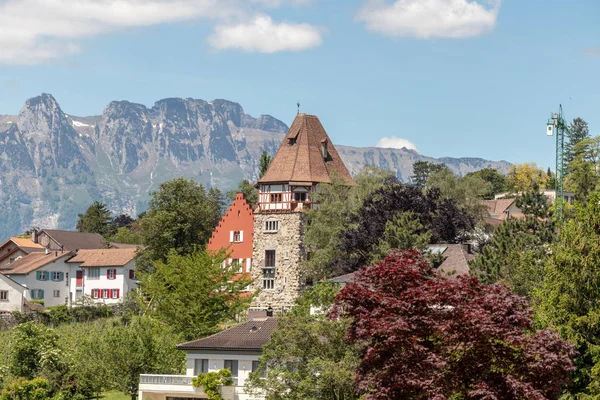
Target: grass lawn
114,395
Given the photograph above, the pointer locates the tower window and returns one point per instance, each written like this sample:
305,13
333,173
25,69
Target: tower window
271,226
269,270
276,197
300,197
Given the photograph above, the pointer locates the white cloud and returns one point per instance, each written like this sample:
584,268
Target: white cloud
591,52
34,31
265,36
425,19
395,142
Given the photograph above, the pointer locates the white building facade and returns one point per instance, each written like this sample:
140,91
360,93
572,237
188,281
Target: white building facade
12,295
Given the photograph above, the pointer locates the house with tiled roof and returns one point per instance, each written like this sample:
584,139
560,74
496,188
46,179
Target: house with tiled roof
45,275
103,275
57,240
234,234
13,296
305,159
237,349
15,248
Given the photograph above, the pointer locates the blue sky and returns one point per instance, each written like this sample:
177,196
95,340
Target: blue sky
453,77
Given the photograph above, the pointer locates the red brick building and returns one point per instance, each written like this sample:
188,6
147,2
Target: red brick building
235,233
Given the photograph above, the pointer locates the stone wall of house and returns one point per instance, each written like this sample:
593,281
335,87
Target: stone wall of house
289,247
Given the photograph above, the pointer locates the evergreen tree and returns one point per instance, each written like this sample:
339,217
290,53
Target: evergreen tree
403,232
265,161
533,202
584,171
97,219
516,254
569,298
422,170
578,131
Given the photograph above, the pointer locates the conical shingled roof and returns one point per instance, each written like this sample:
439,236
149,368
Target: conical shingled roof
300,159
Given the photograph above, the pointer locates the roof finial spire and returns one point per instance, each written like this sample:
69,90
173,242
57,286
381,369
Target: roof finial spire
298,104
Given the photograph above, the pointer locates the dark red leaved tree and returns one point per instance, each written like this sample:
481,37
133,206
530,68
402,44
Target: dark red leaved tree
429,337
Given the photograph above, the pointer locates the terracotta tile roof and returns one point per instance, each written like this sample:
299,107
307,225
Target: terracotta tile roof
104,257
497,207
299,158
456,259
251,335
116,245
77,240
26,243
33,261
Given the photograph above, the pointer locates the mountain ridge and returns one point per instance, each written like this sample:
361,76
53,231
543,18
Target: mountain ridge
53,164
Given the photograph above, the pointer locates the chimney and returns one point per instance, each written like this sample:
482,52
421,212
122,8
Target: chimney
270,311
34,235
47,251
466,247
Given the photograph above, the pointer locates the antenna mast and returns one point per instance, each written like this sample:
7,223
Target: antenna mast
298,104
557,123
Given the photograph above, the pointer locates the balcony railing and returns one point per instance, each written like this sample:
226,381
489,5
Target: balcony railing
146,379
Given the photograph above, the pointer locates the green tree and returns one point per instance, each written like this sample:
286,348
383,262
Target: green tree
194,293
569,298
534,202
578,131
211,382
307,357
422,170
144,346
181,215
494,178
584,171
31,343
126,235
248,189
23,389
97,219
467,191
403,232
338,204
265,161
516,254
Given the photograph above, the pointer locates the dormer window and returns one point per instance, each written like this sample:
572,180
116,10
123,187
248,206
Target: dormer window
292,141
324,150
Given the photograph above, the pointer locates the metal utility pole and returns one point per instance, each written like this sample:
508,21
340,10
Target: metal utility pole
557,123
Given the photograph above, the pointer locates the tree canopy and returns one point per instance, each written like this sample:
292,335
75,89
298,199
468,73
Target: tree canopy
181,215
265,161
194,293
96,219
423,336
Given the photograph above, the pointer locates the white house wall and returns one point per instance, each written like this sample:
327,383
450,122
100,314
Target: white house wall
49,286
121,282
16,295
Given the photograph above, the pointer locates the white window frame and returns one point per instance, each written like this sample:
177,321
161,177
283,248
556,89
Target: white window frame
95,293
112,273
37,294
200,365
115,294
268,272
56,293
56,276
93,273
3,295
105,293
271,226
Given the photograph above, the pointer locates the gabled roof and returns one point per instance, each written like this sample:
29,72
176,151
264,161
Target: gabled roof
498,206
251,335
104,257
12,282
33,261
300,158
25,244
456,259
71,240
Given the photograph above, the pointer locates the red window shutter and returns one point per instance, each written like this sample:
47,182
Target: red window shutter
117,293
110,293
131,274
108,274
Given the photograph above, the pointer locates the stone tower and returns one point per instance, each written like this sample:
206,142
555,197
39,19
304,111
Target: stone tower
305,158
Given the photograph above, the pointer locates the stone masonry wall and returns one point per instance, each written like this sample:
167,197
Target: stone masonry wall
289,247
